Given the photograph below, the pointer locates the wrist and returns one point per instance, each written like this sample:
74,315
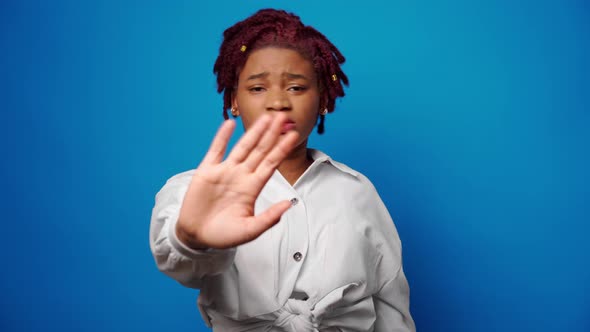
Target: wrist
188,240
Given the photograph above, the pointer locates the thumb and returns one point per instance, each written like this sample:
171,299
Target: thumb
262,222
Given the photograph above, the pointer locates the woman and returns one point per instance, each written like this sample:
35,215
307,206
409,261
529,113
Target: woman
280,237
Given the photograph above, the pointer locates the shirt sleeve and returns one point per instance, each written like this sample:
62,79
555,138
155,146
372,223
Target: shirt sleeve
392,300
392,306
174,258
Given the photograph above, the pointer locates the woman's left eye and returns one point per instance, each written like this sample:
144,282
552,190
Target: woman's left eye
297,88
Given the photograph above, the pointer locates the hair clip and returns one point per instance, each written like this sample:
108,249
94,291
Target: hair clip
243,48
334,77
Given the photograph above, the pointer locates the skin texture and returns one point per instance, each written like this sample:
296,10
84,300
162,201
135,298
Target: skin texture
276,87
280,80
218,208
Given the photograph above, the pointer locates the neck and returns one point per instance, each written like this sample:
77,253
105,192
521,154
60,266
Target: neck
295,164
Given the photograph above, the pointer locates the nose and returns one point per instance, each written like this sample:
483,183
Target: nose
278,101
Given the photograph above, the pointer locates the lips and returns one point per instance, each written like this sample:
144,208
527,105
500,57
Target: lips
287,126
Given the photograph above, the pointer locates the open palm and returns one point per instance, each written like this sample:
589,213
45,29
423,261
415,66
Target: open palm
218,208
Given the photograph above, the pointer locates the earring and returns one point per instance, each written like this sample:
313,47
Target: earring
324,111
234,111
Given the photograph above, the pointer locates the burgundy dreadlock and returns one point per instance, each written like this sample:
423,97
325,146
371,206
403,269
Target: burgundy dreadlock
270,27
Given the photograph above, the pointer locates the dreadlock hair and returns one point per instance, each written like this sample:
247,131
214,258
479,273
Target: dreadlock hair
271,27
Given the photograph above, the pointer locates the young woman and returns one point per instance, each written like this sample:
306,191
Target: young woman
278,236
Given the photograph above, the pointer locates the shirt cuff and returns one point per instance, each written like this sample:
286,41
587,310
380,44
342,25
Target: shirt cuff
210,253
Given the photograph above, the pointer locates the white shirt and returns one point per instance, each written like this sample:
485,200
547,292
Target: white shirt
333,262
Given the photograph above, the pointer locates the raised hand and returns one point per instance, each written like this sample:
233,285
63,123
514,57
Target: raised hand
218,208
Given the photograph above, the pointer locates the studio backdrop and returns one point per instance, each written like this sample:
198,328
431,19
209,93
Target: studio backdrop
470,117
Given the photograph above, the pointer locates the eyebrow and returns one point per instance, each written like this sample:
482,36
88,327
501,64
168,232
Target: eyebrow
257,76
288,75
295,76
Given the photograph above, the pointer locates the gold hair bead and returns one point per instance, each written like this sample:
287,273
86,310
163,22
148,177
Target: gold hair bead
243,48
334,77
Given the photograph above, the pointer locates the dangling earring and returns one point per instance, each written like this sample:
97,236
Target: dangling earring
322,118
234,111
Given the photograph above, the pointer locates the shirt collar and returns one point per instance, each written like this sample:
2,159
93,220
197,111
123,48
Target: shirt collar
320,157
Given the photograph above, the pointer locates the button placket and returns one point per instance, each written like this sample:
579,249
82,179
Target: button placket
297,256
297,244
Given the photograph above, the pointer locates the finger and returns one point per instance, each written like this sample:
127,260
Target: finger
219,143
262,222
249,139
266,143
279,152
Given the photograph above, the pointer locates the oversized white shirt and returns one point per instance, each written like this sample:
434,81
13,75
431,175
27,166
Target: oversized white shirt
332,263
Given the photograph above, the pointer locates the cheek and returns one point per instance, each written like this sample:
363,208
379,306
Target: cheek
248,116
247,122
313,105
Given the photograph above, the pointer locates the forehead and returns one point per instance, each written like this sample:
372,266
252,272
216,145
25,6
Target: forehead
277,61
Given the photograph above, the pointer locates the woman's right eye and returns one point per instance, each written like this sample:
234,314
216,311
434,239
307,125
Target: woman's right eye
256,89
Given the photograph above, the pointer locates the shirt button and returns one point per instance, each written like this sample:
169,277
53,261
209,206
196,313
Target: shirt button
294,201
297,256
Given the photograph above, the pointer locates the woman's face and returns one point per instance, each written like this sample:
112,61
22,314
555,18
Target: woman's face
279,80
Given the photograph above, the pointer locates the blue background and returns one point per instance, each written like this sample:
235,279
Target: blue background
471,118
